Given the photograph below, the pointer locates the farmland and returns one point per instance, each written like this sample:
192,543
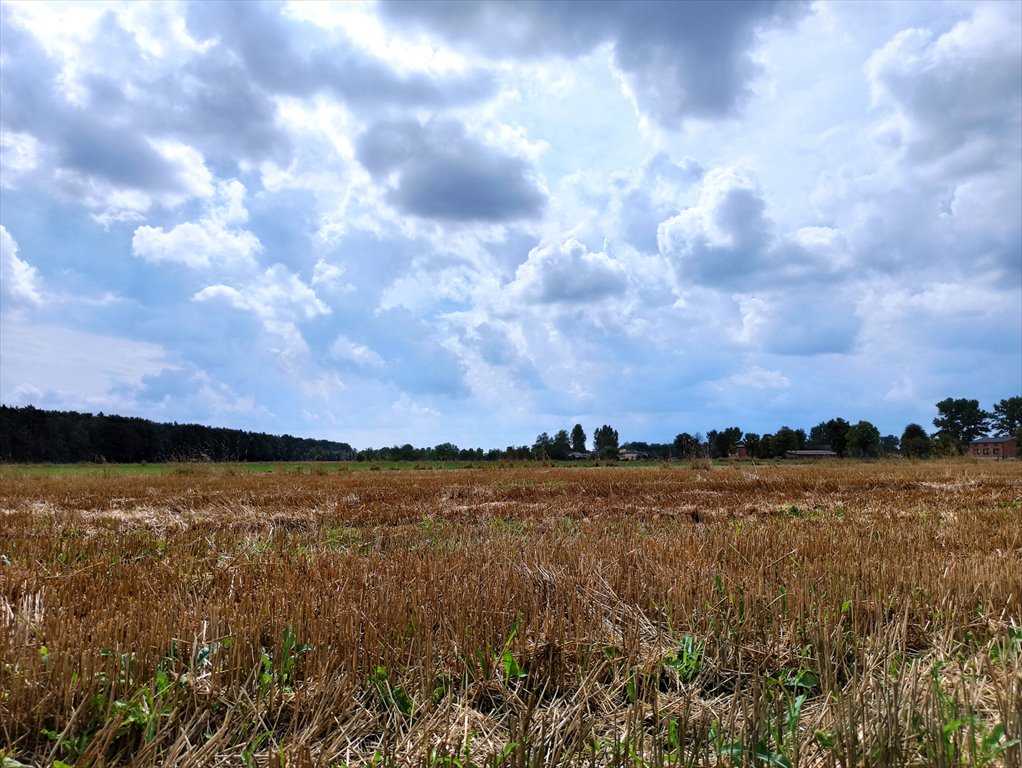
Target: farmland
837,614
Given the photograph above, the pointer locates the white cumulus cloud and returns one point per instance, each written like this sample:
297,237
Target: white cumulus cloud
210,240
20,280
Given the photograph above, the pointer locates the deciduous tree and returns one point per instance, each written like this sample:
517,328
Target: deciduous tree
723,443
864,440
541,447
915,443
685,446
560,446
962,420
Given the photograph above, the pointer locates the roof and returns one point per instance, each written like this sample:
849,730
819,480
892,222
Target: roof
988,440
813,453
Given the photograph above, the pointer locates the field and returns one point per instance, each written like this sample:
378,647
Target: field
838,614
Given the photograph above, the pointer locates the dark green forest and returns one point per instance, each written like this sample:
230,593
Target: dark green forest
32,435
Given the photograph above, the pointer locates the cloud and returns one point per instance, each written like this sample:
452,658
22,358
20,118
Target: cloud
799,323
761,378
206,242
327,275
649,198
81,125
959,314
167,393
281,301
54,367
275,295
473,210
680,60
568,273
951,109
728,240
443,174
722,240
288,56
954,100
346,350
415,355
19,280
19,156
124,118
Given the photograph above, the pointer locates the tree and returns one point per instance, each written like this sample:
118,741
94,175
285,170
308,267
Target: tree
788,439
685,446
889,445
962,420
943,444
1008,416
711,443
446,452
915,443
541,448
605,440
864,440
751,441
578,439
560,446
831,434
818,436
723,443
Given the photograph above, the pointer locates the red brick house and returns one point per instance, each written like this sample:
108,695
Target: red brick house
994,448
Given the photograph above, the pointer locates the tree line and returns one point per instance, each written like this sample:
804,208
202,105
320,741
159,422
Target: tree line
29,434
958,423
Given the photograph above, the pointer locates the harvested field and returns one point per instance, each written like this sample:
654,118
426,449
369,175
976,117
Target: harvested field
838,614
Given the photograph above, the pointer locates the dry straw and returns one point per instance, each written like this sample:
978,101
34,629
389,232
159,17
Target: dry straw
836,615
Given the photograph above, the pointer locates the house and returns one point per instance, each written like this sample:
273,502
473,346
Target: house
743,452
626,454
994,448
811,454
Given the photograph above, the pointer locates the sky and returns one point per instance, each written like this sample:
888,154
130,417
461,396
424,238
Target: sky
477,221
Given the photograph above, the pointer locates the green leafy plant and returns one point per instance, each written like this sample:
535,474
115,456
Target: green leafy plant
282,673
392,695
687,660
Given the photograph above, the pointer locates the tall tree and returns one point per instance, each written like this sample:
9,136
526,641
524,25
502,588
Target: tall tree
818,436
578,439
1008,416
685,446
788,439
751,441
864,440
541,448
560,446
962,420
723,443
831,434
915,443
605,440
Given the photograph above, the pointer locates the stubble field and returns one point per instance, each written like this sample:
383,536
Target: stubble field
839,614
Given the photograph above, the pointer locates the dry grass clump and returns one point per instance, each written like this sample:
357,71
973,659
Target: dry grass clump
840,614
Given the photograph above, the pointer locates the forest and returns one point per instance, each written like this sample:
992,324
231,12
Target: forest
30,434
